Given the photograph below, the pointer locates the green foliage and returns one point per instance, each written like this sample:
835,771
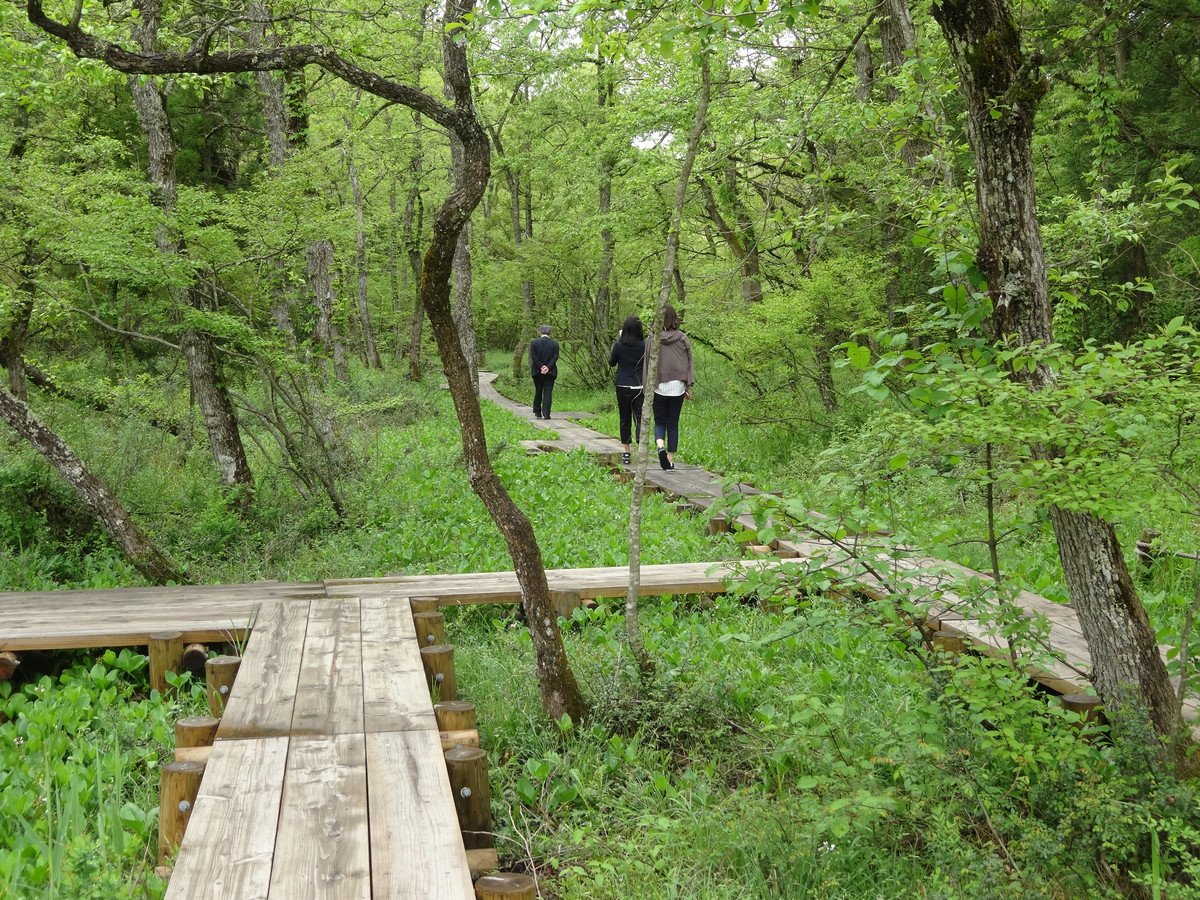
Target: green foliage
80,755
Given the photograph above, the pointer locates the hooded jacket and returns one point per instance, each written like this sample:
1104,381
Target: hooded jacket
674,359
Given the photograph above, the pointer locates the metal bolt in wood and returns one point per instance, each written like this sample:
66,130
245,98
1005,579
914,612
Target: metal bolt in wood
220,672
438,661
505,886
468,771
431,628
481,861
166,655
180,785
454,715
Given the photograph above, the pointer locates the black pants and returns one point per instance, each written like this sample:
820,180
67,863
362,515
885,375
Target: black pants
666,420
629,408
543,390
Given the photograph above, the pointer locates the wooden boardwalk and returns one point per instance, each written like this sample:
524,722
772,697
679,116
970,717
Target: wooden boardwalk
327,779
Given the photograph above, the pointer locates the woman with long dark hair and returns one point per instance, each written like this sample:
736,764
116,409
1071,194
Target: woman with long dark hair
676,375
628,355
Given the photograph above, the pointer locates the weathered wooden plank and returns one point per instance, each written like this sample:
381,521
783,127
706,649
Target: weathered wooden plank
395,694
227,850
264,695
329,694
416,846
322,848
502,587
63,622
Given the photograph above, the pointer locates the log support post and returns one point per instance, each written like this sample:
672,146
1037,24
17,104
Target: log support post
194,658
423,604
949,642
196,731
8,664
1086,704
180,785
505,886
438,661
565,603
431,628
718,525
468,771
220,672
166,655
455,715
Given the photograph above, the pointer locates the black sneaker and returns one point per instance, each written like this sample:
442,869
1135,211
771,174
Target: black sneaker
662,458
625,458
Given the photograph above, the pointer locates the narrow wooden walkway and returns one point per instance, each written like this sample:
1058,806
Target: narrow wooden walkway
1064,661
327,779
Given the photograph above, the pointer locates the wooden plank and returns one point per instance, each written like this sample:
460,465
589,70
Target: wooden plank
322,849
226,852
395,694
329,695
65,621
502,587
264,695
416,846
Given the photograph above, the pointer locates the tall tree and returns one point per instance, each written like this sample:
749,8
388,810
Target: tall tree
208,385
1003,88
560,691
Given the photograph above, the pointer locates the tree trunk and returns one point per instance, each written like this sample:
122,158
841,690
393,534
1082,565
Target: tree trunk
560,691
608,243
360,262
463,320
463,316
632,627
12,341
142,555
414,215
208,388
1003,89
825,378
319,269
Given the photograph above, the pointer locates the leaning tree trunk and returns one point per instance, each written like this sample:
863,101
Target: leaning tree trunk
560,691
142,555
1003,89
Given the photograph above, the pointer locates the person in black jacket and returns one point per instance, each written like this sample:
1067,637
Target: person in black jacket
628,355
543,366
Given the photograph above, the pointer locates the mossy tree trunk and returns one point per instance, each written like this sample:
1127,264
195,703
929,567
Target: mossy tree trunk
1002,88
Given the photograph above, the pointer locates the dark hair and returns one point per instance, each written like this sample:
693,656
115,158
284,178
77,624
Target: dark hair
670,319
632,331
